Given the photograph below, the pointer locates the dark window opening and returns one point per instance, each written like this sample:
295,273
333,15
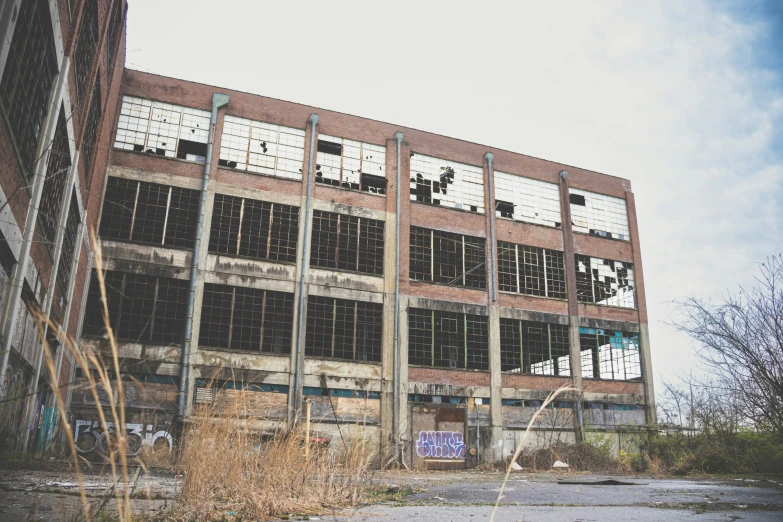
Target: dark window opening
252,228
69,245
91,129
58,163
343,329
246,319
193,148
447,258
28,78
531,270
149,213
328,147
113,33
505,208
345,242
141,308
373,184
86,47
448,340
576,199
534,347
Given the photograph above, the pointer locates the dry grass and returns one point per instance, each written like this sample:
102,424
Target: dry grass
232,466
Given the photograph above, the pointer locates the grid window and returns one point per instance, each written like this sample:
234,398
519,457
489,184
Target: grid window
246,319
91,129
149,213
113,33
343,329
69,245
527,200
599,215
252,228
141,308
351,164
603,281
345,242
57,167
447,339
447,183
262,148
534,347
86,47
447,258
163,129
610,354
531,270
28,77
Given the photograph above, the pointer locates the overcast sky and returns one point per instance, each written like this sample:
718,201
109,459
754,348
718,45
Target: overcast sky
684,98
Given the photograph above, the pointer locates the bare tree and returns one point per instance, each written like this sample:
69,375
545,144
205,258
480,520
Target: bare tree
740,341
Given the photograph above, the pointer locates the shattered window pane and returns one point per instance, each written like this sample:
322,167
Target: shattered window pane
447,339
531,270
606,282
253,228
163,129
343,329
527,200
447,183
534,347
149,213
355,165
262,148
447,258
344,242
610,354
599,215
72,223
246,319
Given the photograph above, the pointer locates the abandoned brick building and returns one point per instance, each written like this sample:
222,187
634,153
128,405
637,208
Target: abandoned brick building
425,291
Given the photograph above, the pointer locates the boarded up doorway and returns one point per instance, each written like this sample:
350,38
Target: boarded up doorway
438,432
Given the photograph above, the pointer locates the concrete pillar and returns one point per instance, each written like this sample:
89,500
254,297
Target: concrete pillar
404,417
650,415
495,453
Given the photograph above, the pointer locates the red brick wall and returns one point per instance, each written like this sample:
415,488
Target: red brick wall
620,387
442,376
532,382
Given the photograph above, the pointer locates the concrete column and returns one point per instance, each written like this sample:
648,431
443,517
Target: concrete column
404,418
573,307
495,388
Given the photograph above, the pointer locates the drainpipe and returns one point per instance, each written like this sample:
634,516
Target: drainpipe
396,350
23,264
302,275
218,100
493,244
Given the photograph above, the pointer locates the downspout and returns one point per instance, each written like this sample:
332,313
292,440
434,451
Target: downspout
303,273
396,349
20,271
493,244
218,100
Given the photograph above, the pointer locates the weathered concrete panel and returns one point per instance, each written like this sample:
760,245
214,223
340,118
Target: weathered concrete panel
335,368
250,273
345,280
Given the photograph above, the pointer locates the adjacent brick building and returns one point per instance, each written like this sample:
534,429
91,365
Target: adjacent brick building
514,275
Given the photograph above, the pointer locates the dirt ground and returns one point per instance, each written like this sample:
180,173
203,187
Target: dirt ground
28,495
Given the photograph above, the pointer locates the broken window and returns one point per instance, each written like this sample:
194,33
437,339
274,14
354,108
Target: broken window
246,319
603,281
448,339
351,164
447,258
531,270
527,200
261,147
253,228
447,183
163,129
91,129
113,33
345,242
149,213
598,215
142,308
342,329
86,47
28,77
609,354
58,163
534,347
72,223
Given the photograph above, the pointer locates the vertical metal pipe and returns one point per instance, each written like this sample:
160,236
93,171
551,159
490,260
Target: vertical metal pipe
493,245
396,349
218,100
303,273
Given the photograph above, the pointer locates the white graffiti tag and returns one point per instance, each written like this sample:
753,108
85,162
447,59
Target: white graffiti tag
440,444
89,437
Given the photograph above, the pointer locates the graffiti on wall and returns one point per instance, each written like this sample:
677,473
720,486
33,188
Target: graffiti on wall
441,444
90,437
